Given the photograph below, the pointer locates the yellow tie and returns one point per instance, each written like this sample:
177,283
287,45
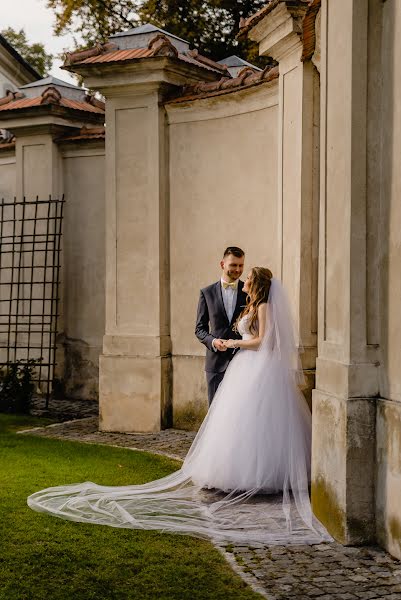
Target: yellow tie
232,285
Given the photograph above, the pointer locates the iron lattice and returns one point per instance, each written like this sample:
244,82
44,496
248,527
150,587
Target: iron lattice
30,249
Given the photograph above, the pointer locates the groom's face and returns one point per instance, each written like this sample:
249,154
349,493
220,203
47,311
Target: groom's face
232,267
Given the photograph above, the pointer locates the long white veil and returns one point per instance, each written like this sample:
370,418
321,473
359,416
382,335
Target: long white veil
185,503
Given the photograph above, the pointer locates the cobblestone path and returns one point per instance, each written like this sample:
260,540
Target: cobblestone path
173,443
321,572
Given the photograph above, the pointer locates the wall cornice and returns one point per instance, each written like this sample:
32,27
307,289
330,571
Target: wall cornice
219,107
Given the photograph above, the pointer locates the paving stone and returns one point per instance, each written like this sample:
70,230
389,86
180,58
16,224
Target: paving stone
358,578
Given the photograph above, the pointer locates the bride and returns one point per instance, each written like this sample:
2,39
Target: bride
245,478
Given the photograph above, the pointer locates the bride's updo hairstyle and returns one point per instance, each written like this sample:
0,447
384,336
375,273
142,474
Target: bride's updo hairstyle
259,288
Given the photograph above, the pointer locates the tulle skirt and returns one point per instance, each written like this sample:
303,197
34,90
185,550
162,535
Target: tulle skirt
257,429
244,480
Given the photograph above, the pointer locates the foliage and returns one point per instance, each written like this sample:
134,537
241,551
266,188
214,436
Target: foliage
17,387
47,558
35,54
210,26
93,20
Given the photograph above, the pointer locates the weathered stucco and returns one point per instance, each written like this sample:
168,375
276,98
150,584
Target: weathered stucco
84,266
218,197
388,482
7,175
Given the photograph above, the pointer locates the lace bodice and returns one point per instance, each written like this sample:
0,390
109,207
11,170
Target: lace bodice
243,328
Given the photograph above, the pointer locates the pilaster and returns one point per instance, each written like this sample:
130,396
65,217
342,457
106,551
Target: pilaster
346,369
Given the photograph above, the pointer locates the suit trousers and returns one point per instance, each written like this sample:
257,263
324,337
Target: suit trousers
213,382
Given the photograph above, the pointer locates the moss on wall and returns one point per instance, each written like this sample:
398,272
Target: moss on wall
394,527
81,371
327,510
190,416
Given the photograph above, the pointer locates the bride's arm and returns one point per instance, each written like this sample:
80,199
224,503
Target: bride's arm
255,342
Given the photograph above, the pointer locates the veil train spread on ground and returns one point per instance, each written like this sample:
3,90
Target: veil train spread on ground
245,478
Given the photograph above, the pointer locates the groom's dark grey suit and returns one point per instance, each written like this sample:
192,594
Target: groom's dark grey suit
212,322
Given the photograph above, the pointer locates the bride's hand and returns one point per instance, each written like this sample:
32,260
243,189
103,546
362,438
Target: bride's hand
230,343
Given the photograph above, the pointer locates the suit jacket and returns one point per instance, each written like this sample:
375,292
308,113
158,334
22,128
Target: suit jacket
212,322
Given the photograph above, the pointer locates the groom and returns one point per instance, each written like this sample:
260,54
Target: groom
219,307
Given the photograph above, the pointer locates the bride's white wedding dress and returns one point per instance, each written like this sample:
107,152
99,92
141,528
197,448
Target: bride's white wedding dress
245,478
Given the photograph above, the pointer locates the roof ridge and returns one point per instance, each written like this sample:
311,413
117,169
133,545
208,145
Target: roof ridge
72,57
246,78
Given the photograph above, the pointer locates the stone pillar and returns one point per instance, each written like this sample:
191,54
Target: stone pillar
279,36
135,72
343,449
135,367
38,164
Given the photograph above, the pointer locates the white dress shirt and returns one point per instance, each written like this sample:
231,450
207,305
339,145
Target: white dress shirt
230,300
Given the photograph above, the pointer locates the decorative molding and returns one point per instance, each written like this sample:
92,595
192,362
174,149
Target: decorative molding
50,95
241,101
280,32
160,45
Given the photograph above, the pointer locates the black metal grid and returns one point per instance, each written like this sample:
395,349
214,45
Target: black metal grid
30,249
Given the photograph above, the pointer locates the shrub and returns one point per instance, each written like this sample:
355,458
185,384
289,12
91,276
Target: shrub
17,387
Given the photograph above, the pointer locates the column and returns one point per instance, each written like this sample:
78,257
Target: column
343,449
135,366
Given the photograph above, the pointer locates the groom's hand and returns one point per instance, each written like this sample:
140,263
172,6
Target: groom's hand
219,345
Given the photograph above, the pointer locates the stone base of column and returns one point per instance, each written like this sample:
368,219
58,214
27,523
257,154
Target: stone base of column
134,393
388,489
343,466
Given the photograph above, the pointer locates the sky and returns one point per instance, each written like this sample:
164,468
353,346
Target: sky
38,21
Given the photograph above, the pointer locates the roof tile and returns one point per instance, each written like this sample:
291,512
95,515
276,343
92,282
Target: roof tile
53,97
84,134
159,45
247,78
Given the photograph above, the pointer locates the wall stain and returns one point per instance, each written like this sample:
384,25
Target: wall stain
327,510
190,416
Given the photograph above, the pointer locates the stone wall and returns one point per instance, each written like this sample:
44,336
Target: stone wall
39,167
83,272
223,191
7,175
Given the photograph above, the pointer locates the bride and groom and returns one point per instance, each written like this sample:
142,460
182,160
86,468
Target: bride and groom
245,478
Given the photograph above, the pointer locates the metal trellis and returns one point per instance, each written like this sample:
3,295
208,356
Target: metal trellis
30,249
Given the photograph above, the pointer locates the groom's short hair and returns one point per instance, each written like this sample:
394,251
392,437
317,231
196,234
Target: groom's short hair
235,251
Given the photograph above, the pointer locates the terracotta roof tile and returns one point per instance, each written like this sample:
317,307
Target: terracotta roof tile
246,78
22,103
308,30
80,55
117,55
158,46
10,96
52,96
80,105
7,146
84,134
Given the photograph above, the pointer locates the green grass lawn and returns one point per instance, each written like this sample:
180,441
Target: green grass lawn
42,557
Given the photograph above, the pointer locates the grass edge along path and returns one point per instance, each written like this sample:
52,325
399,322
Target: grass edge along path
46,558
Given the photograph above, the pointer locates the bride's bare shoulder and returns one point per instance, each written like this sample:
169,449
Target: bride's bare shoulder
263,310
